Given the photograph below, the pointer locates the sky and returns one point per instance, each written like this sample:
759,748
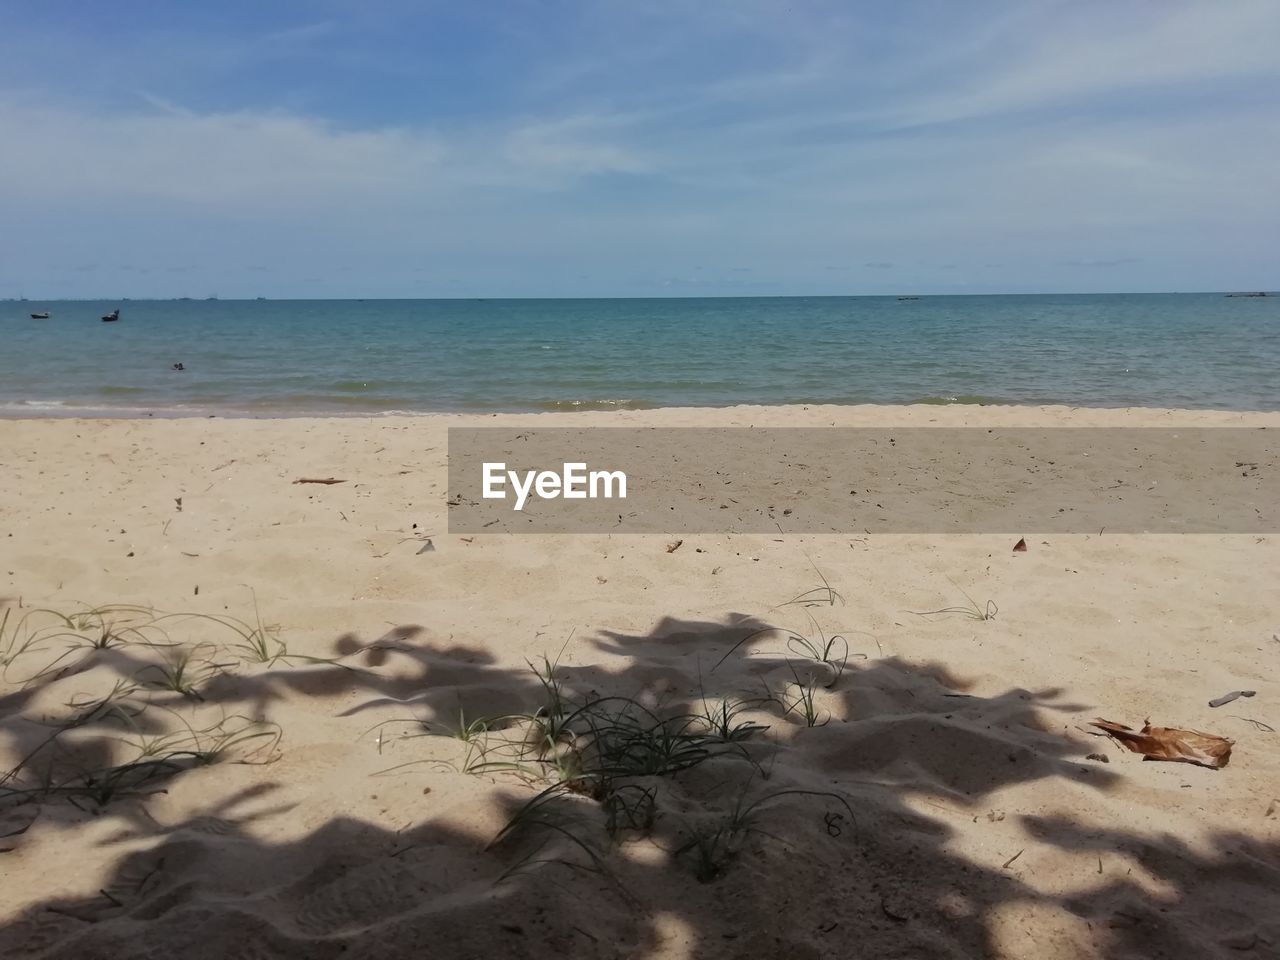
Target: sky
414,148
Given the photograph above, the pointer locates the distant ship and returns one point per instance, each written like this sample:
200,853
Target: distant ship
40,316
112,317
1260,293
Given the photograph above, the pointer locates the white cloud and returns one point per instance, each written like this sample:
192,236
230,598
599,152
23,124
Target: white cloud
202,159
568,148
276,160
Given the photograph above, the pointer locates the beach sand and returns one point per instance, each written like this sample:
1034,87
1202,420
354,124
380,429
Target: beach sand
956,805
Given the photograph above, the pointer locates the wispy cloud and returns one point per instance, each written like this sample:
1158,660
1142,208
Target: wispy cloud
1076,54
569,146
203,159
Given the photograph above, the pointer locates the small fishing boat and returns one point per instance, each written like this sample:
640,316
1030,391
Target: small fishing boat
112,317
40,316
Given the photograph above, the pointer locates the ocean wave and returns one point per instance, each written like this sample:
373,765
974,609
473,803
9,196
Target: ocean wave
68,409
364,386
319,402
588,404
964,398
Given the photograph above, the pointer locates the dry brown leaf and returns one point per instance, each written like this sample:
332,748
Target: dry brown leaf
1020,546
1170,743
673,547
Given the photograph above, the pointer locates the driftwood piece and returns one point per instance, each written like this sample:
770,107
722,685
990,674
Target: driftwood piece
1226,698
318,480
1170,743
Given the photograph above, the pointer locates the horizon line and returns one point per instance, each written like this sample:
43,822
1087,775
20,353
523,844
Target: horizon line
1244,292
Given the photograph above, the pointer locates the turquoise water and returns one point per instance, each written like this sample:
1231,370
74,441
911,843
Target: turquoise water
262,358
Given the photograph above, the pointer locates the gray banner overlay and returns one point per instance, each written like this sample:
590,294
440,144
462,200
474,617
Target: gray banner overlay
865,480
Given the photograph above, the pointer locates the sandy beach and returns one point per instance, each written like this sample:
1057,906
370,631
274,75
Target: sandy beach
335,770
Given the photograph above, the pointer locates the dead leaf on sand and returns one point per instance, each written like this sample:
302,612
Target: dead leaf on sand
1170,743
1020,546
673,547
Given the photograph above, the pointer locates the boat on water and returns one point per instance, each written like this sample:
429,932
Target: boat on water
112,317
40,316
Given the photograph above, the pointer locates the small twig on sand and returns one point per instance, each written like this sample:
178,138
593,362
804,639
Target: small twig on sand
1258,724
111,898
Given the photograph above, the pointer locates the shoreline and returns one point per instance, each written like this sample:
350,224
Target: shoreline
967,410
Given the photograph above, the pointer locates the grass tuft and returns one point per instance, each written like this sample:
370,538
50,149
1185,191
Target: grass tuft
183,671
114,743
824,595
971,611
802,698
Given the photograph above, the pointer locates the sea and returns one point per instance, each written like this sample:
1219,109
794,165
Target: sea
271,358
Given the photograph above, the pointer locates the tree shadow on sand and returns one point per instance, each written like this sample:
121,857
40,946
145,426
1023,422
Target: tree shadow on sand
836,839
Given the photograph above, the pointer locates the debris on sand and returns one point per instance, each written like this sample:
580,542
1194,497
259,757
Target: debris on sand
1170,743
1020,546
325,480
1226,698
674,546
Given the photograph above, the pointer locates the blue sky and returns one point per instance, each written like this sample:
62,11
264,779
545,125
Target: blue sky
337,148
